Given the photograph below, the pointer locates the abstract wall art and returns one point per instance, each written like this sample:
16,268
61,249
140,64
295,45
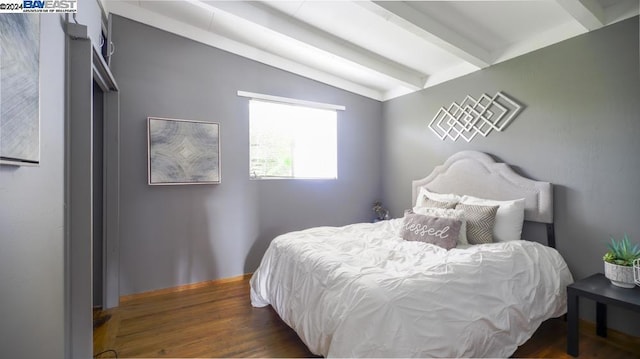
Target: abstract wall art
20,89
474,117
183,152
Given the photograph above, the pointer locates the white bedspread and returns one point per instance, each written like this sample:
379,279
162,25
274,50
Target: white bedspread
361,291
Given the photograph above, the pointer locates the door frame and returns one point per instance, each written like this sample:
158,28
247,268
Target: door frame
83,66
111,181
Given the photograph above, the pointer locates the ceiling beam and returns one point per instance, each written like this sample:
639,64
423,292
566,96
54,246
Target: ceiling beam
587,12
430,29
621,11
288,26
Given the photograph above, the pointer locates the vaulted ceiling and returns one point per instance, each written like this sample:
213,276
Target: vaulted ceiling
377,49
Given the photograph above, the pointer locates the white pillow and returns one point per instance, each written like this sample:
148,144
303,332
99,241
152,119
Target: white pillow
447,213
509,218
440,197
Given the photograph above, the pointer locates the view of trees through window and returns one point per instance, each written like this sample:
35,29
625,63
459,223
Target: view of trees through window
292,141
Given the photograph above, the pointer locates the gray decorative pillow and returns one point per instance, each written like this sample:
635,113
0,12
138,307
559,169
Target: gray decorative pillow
448,213
432,203
440,231
480,221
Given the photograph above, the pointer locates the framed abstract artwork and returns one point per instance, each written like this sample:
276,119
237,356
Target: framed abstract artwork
20,89
183,152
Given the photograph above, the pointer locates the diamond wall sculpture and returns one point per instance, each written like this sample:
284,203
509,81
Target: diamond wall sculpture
474,117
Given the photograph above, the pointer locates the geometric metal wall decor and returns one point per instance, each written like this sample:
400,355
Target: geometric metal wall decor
474,116
20,89
183,152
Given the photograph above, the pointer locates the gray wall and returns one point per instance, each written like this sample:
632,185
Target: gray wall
580,130
172,235
32,234
31,223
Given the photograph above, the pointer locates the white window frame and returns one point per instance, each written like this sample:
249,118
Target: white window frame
302,103
293,101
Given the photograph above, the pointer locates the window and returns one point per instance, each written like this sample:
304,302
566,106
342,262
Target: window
292,141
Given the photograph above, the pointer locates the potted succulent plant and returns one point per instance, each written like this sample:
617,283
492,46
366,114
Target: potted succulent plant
618,262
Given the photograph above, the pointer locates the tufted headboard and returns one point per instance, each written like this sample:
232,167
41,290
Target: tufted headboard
477,174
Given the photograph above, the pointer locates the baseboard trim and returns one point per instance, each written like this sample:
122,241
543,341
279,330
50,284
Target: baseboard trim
180,288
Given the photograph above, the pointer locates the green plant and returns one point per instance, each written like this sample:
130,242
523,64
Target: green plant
621,253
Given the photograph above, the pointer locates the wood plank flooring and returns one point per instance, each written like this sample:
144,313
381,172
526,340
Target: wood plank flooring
218,320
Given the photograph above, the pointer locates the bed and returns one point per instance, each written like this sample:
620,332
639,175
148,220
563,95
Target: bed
363,291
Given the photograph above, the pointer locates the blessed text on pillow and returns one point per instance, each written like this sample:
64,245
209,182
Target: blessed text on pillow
448,213
440,231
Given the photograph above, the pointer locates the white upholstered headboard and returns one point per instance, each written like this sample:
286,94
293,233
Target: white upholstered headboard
477,174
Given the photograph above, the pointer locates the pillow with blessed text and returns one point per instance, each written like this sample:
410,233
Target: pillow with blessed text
447,213
440,231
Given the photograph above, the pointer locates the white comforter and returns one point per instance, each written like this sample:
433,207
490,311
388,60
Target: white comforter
361,291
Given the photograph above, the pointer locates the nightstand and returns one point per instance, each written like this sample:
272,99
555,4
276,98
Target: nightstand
599,289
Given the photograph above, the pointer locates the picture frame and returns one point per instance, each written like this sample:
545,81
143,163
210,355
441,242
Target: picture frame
182,152
20,89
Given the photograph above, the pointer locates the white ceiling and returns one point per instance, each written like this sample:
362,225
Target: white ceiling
377,49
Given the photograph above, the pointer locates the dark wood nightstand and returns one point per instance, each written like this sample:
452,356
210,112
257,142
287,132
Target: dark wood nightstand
599,289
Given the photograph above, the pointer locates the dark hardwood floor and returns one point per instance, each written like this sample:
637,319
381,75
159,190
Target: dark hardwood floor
218,320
